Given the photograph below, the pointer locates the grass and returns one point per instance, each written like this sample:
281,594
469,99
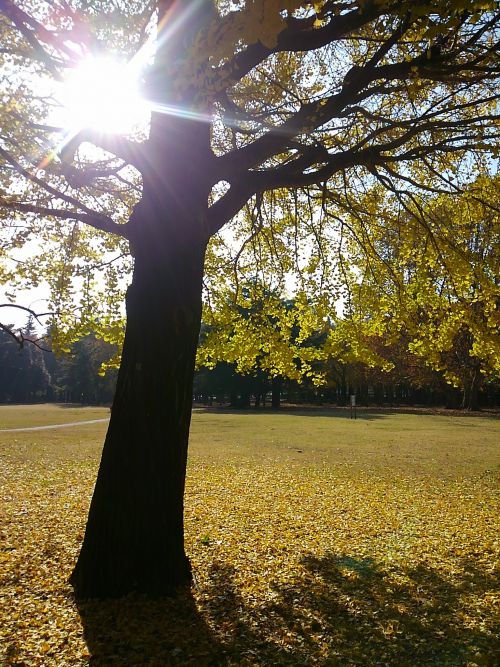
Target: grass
315,540
20,416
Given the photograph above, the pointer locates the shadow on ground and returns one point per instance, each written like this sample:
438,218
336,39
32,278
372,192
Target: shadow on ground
343,413
135,631
339,611
362,412
83,406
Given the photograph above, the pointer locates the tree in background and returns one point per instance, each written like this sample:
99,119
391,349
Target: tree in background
246,98
428,275
31,372
263,336
78,377
24,377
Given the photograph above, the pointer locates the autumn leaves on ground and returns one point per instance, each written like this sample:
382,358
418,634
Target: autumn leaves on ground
315,540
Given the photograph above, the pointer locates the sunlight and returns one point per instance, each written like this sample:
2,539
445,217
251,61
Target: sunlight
103,94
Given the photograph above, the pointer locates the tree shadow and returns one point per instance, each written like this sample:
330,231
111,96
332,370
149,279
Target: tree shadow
136,631
338,611
348,611
365,414
80,406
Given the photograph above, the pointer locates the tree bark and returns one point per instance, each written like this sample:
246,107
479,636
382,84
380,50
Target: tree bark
276,386
470,392
134,535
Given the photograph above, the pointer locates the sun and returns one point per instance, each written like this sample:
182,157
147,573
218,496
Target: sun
103,94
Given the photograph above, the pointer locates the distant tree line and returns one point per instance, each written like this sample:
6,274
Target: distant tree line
33,373
405,379
223,385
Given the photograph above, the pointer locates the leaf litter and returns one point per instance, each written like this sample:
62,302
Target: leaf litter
293,565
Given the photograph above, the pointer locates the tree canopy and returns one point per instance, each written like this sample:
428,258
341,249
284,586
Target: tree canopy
325,96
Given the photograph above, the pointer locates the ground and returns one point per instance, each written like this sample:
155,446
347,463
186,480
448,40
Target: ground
315,540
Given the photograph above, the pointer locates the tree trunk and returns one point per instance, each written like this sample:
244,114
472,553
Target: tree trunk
134,535
134,538
276,386
470,392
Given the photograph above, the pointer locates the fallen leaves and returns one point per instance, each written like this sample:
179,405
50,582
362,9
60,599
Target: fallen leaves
295,564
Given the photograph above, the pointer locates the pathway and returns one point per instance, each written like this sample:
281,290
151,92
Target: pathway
43,428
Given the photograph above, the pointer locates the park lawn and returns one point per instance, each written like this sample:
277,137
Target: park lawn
314,539
42,414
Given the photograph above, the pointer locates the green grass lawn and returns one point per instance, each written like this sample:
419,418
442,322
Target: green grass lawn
314,539
19,416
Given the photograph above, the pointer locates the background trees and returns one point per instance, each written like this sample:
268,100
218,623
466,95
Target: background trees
34,373
428,276
23,372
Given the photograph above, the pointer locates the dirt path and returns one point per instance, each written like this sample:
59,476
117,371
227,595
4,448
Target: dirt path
43,428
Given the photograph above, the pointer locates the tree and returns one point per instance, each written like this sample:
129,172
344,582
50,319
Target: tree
429,276
247,98
24,376
258,331
78,376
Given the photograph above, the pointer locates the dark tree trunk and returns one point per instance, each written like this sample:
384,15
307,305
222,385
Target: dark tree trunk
134,538
134,535
276,385
470,392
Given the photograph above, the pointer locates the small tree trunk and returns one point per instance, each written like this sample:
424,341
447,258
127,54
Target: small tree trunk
470,392
134,535
276,385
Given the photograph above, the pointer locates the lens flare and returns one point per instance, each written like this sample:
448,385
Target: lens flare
103,94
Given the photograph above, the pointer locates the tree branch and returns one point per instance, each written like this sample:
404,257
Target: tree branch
93,218
230,204
35,33
129,151
96,220
299,35
355,88
21,339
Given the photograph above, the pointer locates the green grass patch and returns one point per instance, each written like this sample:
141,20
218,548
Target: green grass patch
42,414
315,540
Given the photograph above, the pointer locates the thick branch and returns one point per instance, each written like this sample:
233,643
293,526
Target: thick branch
129,151
299,35
230,204
355,88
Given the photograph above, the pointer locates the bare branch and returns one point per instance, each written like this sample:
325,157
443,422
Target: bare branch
96,220
30,311
19,337
93,218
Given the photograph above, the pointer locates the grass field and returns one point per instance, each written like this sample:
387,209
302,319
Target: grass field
315,540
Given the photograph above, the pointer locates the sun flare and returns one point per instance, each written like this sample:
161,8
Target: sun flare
103,94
